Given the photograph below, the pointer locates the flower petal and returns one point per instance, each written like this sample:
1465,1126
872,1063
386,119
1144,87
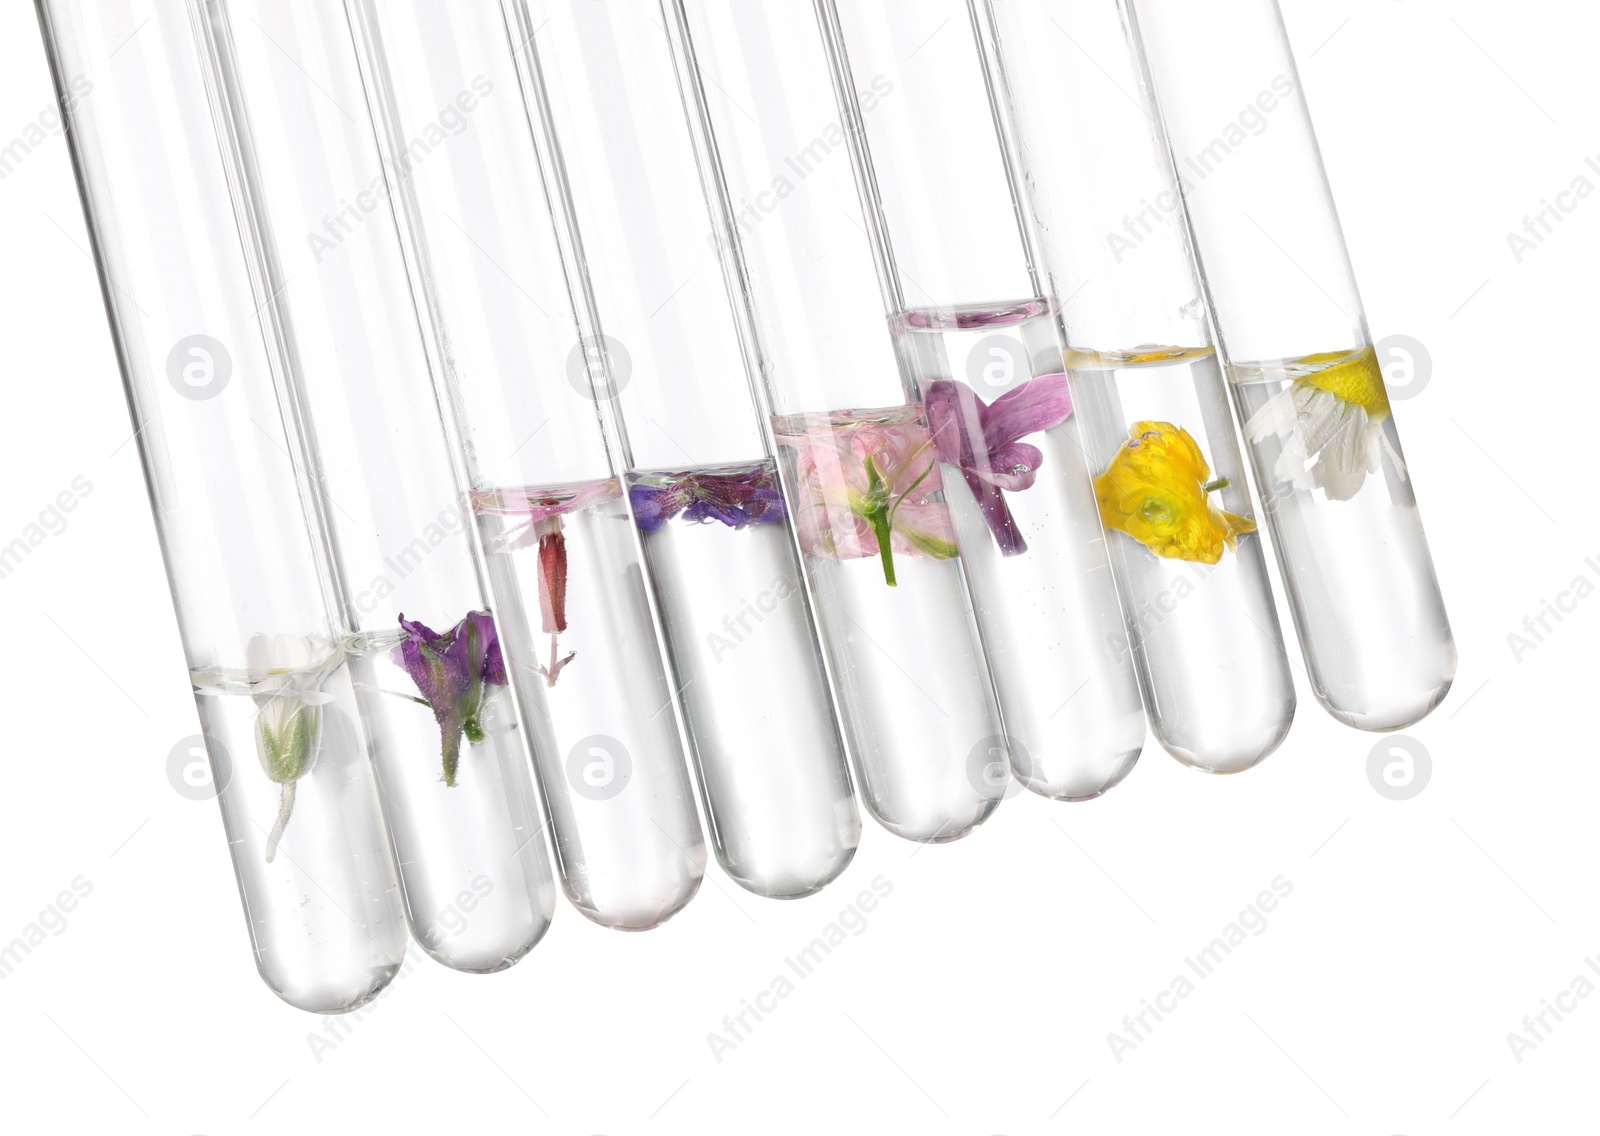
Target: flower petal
837,533
450,672
420,655
416,629
920,525
653,507
955,416
485,661
1014,466
765,507
1154,491
1038,404
553,580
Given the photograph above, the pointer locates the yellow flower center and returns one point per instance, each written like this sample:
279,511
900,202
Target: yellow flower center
1353,377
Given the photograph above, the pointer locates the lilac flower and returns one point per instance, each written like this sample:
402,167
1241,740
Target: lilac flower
735,496
983,442
453,671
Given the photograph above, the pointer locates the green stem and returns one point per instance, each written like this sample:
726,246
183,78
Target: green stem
285,807
880,526
879,513
1213,486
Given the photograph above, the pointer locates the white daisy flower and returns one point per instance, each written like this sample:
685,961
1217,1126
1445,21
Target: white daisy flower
1330,420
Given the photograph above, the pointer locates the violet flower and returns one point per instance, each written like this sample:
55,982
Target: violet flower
983,442
454,672
735,496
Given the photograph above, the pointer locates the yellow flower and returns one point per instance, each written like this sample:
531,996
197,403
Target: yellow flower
1155,490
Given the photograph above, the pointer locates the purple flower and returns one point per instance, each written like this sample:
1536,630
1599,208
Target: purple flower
734,496
453,672
983,442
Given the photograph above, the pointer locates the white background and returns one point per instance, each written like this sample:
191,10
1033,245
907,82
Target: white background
980,995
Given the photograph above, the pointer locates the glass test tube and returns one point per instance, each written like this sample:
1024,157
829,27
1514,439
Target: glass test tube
718,542
1169,479
258,598
980,346
1307,382
857,461
485,262
452,766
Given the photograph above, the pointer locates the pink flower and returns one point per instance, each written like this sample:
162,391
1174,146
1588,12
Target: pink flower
542,510
867,486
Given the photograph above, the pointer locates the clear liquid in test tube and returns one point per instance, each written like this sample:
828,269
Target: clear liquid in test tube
258,595
856,458
1306,377
484,257
424,651
1148,391
718,541
980,345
